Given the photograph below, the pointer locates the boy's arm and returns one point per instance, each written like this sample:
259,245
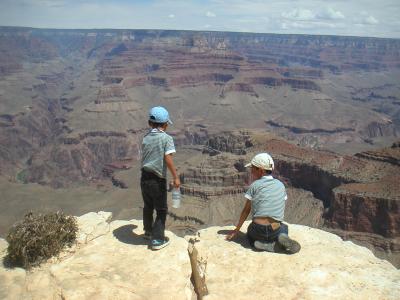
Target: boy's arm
243,217
171,167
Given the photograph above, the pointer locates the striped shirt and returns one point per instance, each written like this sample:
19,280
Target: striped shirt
156,144
267,196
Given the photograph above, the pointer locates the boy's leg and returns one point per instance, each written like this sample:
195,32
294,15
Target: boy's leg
254,233
284,229
258,232
262,237
161,207
150,184
148,207
289,245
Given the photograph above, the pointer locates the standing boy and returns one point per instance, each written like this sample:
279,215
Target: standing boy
266,198
157,150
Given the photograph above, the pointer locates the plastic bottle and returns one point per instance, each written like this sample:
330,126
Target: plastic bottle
176,198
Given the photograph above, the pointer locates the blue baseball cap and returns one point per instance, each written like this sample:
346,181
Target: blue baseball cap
159,114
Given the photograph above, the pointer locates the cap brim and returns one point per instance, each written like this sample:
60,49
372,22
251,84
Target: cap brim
248,165
169,122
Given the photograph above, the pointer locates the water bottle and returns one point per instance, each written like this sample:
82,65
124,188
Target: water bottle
176,198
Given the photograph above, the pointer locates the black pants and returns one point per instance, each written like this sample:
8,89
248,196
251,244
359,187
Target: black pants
264,233
154,192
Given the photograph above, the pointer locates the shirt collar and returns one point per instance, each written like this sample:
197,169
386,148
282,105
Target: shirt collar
156,130
268,177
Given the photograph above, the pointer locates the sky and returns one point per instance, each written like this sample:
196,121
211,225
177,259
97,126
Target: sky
333,17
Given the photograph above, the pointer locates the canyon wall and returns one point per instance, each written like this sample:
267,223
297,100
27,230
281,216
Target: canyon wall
356,197
360,193
72,84
74,108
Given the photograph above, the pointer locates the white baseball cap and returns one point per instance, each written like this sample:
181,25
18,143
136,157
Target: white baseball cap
262,161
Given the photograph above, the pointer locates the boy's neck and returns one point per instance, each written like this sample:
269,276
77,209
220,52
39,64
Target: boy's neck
161,128
264,174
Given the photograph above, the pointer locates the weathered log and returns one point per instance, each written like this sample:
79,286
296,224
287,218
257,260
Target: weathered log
198,277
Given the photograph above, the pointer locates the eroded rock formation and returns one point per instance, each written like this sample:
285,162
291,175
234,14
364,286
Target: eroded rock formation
213,187
389,155
215,176
71,84
75,101
360,193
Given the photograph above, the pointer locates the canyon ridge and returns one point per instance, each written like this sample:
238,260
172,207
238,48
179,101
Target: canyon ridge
74,103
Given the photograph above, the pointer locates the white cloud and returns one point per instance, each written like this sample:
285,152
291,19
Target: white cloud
210,14
330,14
370,20
366,19
46,3
336,17
299,14
284,26
308,25
249,21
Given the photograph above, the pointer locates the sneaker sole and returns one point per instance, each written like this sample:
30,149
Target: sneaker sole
290,246
158,247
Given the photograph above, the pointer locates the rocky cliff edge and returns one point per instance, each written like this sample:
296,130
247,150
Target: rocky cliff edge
112,261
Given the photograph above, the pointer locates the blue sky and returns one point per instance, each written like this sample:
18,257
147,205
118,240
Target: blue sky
337,17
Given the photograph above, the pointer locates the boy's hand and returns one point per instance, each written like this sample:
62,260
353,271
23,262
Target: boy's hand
232,235
176,182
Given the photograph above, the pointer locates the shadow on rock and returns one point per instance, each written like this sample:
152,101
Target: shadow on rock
240,239
126,235
7,263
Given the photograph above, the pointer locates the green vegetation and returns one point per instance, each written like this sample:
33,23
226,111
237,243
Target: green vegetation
21,176
38,237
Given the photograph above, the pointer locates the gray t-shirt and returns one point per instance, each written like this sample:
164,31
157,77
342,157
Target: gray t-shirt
155,145
267,196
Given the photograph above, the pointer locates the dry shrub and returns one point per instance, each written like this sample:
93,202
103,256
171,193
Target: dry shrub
38,237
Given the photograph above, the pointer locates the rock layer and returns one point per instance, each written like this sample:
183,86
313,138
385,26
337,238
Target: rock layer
361,193
64,87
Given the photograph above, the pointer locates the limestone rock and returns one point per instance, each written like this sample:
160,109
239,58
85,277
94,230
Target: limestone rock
325,268
3,245
11,281
93,225
117,264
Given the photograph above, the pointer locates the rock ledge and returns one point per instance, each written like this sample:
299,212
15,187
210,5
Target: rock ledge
112,261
